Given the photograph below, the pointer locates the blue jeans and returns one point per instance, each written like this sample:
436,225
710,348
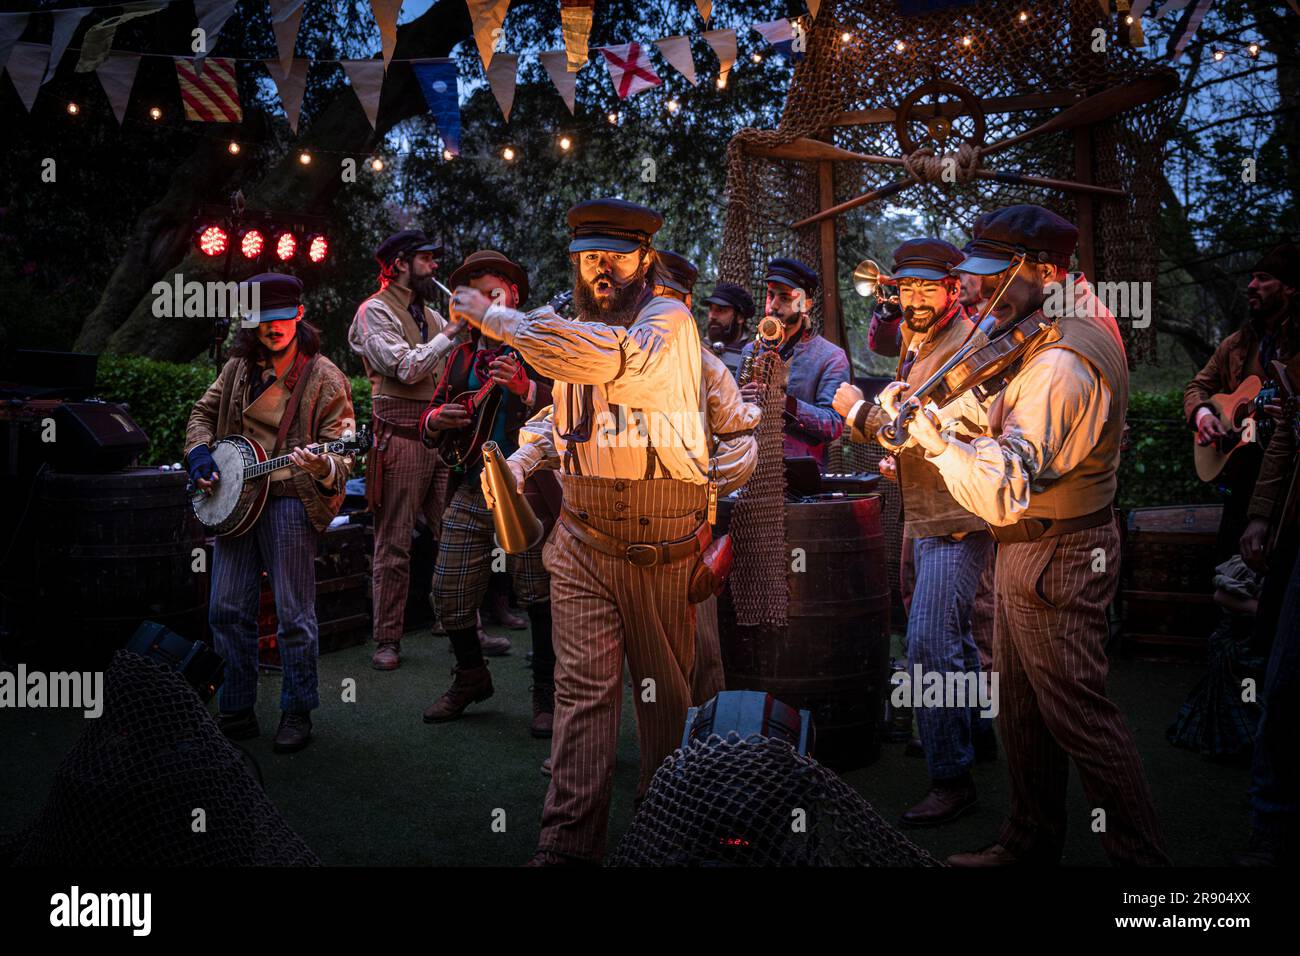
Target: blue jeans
283,543
939,639
1275,783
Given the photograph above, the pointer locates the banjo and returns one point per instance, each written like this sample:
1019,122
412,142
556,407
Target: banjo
234,503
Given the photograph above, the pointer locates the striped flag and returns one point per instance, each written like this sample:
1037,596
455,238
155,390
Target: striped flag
783,35
212,97
575,24
630,69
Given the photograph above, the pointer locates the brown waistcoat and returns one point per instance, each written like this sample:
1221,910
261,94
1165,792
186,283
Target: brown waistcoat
395,301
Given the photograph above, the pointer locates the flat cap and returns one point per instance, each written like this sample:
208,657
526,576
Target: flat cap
489,260
1001,235
925,259
792,272
612,225
406,243
730,294
273,297
676,271
1282,262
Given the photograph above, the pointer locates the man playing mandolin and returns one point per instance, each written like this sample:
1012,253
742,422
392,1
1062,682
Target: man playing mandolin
460,576
278,390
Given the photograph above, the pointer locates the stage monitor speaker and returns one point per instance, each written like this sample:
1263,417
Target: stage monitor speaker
94,437
749,713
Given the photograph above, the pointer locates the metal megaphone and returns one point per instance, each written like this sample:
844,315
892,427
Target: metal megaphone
867,278
517,525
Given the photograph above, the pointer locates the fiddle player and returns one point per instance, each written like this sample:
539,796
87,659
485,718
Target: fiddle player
275,357
816,366
464,565
634,466
1043,478
403,344
951,546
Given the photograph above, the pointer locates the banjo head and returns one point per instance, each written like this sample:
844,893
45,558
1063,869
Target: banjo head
222,510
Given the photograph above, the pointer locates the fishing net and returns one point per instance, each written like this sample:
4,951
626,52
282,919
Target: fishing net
756,802
126,793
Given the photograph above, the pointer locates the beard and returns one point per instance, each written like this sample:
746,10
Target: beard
919,319
724,333
423,287
617,308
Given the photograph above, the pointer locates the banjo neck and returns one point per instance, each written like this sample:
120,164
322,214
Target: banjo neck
274,464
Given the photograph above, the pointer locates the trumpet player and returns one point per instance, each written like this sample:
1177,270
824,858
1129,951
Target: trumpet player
817,368
950,546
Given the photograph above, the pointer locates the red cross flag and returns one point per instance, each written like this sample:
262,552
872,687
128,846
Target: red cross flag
629,69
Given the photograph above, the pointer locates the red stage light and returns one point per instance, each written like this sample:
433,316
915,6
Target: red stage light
211,240
286,246
251,243
318,248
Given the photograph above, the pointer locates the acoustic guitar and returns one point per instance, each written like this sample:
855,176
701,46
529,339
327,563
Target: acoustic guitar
1233,411
235,502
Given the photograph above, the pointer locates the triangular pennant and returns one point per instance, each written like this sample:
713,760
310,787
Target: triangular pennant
65,25
1171,6
291,86
723,43
501,77
12,26
437,80
213,96
629,69
212,16
677,51
1190,23
706,9
26,66
486,17
116,73
285,17
367,79
813,7
99,38
575,24
386,12
556,64
781,34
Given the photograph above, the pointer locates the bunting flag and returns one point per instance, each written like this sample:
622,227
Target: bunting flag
285,17
291,87
1190,23
780,33
1172,6
501,77
26,66
706,9
723,43
677,51
212,97
629,69
12,26
99,38
1139,8
116,72
437,80
486,17
556,63
575,24
367,79
386,12
65,25
813,7
212,16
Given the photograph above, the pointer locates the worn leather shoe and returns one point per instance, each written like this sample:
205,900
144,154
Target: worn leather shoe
995,854
469,686
241,725
387,657
294,732
492,645
941,805
500,612
543,710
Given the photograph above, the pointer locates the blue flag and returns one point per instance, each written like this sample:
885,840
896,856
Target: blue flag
782,34
437,79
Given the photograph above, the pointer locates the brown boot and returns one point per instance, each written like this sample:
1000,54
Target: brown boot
995,854
387,657
469,686
543,710
500,612
943,804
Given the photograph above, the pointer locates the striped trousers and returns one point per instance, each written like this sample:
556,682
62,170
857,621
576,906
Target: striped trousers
1049,649
604,608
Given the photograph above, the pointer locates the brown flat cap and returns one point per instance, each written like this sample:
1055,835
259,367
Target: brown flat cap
489,260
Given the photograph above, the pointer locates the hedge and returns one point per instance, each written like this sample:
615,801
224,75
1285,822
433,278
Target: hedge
1156,470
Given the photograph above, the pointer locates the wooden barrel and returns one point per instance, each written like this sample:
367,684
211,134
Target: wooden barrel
1167,572
833,656
108,552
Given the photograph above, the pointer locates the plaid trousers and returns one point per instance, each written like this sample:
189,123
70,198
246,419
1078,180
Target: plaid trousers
464,565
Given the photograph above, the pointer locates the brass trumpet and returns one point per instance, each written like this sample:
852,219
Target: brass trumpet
867,278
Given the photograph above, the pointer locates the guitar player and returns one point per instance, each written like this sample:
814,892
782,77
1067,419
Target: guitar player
464,563
1248,351
279,390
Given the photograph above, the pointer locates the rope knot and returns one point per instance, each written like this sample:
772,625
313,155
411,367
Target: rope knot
958,167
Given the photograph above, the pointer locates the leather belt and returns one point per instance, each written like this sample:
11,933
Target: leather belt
1031,529
411,432
643,554
282,488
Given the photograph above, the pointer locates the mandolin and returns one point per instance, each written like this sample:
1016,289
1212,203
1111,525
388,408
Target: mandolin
461,447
